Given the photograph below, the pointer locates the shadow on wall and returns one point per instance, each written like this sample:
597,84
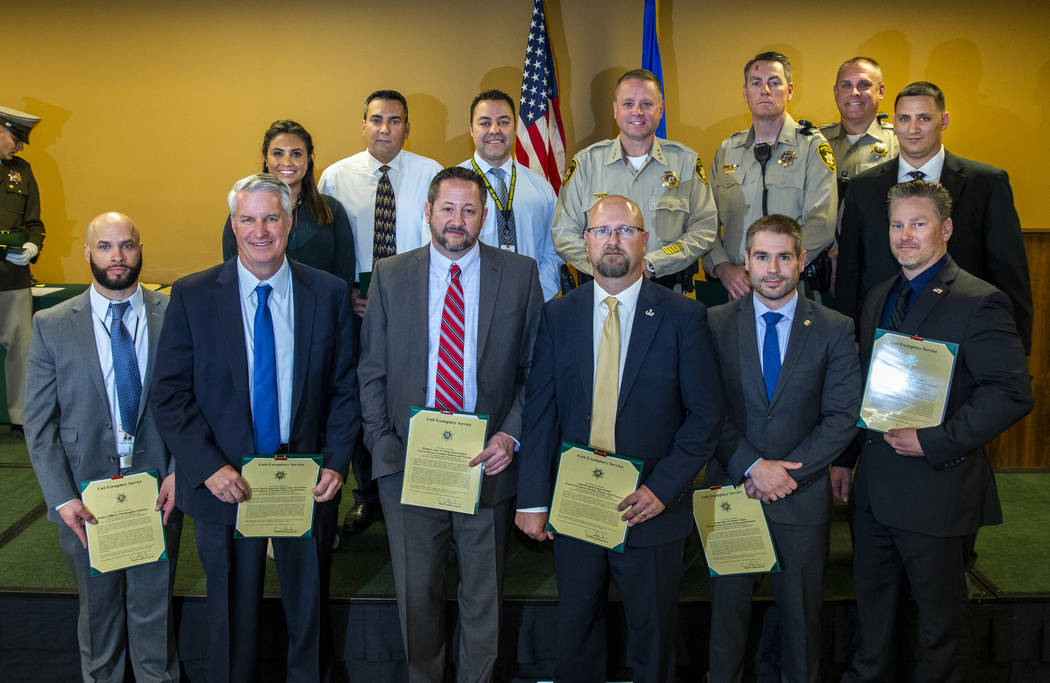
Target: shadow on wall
58,225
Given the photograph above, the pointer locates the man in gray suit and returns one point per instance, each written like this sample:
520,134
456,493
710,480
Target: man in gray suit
493,298
85,420
791,380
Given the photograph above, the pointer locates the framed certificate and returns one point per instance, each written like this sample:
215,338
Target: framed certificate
733,531
908,382
282,500
130,530
589,486
440,446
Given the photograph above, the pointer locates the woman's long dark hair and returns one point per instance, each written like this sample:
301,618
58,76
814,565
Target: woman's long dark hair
311,197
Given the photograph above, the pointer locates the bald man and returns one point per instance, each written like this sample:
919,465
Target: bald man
87,418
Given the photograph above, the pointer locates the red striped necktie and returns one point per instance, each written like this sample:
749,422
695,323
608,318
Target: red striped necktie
448,385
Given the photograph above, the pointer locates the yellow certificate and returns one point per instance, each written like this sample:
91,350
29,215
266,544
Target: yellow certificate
908,382
440,444
282,500
587,490
733,531
130,530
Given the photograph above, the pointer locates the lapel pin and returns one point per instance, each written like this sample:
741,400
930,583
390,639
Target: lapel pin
650,313
938,290
806,323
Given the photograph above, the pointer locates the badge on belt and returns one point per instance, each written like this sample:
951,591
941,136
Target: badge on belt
670,180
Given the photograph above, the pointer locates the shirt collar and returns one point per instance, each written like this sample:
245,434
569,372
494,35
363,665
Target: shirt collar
280,281
616,153
787,310
442,263
100,304
919,283
932,168
507,166
786,134
374,164
628,298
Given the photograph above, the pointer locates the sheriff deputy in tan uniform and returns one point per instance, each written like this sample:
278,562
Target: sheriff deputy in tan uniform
666,179
799,179
21,238
862,138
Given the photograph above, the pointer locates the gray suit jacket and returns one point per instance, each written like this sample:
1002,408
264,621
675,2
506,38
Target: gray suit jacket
69,430
394,350
813,414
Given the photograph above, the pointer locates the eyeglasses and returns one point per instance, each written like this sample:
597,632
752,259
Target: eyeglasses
605,232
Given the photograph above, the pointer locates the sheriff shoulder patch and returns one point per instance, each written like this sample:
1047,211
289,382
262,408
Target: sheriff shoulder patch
700,170
827,156
569,172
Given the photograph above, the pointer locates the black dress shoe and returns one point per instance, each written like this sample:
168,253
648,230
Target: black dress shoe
359,517
17,431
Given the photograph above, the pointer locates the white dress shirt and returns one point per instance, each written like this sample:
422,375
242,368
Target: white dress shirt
932,168
353,181
533,209
470,278
135,322
627,302
282,311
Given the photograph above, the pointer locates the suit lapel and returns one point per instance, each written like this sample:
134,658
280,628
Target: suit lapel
82,335
154,322
304,303
490,283
227,299
953,177
583,320
938,287
417,289
801,328
747,347
647,317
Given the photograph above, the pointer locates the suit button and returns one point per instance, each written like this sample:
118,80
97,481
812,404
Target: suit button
769,418
109,426
869,442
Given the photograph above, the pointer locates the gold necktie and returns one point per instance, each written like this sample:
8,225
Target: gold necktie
607,382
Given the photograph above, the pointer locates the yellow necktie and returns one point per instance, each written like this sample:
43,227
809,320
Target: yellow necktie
607,382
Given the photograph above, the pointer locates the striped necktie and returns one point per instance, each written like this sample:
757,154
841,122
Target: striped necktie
504,219
448,385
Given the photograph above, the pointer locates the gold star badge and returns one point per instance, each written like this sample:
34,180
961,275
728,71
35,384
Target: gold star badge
787,158
670,180
879,150
14,176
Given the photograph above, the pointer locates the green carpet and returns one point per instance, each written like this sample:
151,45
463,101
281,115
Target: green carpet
1013,557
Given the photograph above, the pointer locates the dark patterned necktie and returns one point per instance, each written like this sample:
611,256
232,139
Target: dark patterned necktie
125,368
384,238
917,175
448,385
504,219
900,306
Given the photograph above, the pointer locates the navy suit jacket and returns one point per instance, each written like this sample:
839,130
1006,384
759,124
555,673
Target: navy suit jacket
950,491
670,404
200,394
986,239
813,415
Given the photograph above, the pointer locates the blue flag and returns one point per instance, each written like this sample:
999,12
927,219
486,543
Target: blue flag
651,56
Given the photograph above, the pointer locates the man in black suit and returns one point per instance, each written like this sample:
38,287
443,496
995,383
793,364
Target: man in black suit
987,240
791,382
221,395
919,494
653,394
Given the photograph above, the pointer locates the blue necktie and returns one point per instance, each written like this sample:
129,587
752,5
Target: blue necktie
125,368
771,352
265,416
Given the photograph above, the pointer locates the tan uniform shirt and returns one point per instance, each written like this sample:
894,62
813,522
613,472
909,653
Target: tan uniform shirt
671,189
876,145
800,177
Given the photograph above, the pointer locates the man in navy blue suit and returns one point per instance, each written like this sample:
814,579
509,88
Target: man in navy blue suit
220,395
658,400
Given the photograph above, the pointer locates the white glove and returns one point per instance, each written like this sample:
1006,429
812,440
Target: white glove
29,252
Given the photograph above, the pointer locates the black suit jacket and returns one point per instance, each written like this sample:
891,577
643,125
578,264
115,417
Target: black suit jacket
669,409
986,240
950,491
201,388
813,415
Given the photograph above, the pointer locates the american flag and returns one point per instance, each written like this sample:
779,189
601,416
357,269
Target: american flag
540,136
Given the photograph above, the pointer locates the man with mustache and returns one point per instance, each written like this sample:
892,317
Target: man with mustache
383,190
627,367
519,202
665,179
986,237
449,326
775,166
792,383
91,366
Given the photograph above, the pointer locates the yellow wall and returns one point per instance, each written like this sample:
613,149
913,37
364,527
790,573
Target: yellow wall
155,109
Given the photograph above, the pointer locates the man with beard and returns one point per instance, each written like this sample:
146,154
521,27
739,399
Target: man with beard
91,367
627,367
463,316
792,385
520,202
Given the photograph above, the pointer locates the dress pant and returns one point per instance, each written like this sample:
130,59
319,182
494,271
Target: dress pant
648,581
419,540
127,610
934,567
16,329
798,589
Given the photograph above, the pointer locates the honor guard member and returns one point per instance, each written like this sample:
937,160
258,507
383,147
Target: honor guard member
665,179
21,238
519,202
863,137
777,165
